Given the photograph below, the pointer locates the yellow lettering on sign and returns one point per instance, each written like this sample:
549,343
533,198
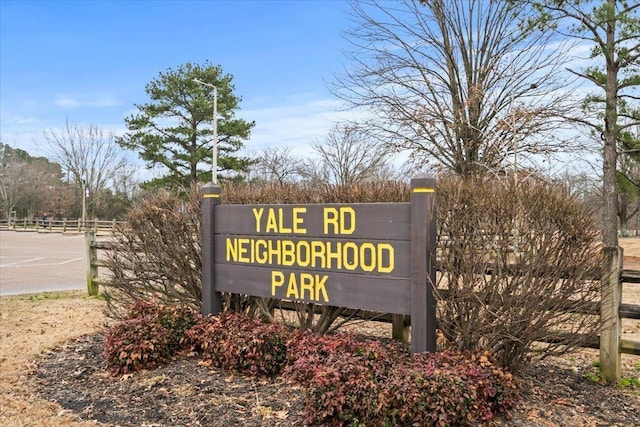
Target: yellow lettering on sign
317,254
274,251
275,221
303,253
261,251
243,249
257,213
351,256
334,255
292,289
368,258
388,249
347,212
272,222
288,253
319,285
330,217
298,220
232,249
306,286
277,280
281,227
341,221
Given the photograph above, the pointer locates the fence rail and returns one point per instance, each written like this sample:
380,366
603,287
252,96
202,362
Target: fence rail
64,225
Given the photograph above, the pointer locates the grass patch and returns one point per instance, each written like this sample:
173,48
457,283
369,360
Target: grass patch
52,296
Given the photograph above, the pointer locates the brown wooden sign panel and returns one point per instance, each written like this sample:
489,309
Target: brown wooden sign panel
375,221
376,293
373,256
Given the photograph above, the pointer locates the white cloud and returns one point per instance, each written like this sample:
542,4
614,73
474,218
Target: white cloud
65,101
104,102
21,120
69,102
295,123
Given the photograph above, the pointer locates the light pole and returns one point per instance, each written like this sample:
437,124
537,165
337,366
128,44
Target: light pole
84,202
214,161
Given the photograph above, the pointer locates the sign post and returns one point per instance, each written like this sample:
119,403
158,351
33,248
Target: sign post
211,301
423,272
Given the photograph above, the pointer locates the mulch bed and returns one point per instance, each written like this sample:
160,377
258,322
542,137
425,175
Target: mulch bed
188,393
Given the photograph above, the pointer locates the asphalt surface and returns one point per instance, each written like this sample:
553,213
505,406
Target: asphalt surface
33,262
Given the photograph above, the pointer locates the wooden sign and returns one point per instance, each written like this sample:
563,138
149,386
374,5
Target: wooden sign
371,256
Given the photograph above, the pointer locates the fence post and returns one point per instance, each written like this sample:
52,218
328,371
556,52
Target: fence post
423,257
92,257
610,315
211,300
400,327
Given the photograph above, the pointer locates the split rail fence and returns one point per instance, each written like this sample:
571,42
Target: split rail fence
59,225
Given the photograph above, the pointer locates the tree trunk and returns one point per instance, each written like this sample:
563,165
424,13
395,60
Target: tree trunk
610,215
611,286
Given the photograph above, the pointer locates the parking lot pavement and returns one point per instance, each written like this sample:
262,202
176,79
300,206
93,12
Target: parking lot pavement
33,262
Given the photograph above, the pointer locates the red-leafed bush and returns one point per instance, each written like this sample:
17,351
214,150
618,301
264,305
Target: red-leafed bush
352,380
348,379
308,349
448,388
148,337
136,344
235,342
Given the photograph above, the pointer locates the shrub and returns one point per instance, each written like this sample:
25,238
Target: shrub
148,337
449,388
352,381
141,308
307,349
344,377
136,344
235,342
348,379
519,267
157,254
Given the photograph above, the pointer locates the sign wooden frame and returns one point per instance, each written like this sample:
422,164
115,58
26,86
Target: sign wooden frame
370,256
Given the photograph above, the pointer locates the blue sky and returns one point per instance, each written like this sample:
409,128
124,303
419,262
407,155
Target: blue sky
89,61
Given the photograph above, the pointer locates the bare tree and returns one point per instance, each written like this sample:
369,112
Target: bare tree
89,154
276,165
347,157
457,83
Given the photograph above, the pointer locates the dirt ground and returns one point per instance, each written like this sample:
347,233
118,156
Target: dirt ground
51,374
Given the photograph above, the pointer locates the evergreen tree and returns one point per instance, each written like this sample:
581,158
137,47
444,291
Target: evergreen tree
173,129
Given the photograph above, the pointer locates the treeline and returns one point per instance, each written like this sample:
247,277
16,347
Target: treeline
36,186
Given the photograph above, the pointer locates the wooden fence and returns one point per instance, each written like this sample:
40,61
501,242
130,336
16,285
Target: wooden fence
59,225
609,342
